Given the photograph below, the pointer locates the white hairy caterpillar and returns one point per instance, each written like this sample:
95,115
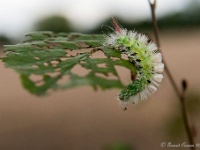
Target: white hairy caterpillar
147,59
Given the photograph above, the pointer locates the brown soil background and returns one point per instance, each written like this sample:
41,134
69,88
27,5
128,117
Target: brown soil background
81,119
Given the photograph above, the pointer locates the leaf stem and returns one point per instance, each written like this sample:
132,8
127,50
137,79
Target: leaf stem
181,95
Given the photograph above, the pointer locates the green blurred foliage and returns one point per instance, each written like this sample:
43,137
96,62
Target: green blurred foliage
4,40
175,127
193,103
184,19
54,23
107,25
119,146
187,18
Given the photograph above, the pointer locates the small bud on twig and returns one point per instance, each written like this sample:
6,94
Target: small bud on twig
184,85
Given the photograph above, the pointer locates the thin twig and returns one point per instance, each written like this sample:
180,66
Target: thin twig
155,26
181,94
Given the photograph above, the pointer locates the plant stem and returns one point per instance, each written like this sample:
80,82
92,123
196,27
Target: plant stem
181,95
155,26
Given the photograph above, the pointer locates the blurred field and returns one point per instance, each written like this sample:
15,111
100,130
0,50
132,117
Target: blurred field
81,119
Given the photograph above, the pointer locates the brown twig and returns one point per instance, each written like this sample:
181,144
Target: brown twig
181,94
155,26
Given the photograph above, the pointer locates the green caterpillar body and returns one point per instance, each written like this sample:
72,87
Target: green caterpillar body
147,60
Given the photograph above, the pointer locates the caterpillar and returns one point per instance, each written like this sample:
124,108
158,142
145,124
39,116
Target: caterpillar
146,58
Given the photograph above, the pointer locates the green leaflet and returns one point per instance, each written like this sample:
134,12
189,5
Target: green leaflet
46,60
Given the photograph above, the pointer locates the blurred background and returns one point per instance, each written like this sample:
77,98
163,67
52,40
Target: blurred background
80,118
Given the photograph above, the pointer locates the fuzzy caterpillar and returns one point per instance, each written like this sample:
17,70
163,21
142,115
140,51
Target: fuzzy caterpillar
147,59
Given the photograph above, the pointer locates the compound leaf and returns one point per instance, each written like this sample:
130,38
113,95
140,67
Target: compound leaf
45,60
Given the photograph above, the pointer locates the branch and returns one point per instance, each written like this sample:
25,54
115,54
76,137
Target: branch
181,95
